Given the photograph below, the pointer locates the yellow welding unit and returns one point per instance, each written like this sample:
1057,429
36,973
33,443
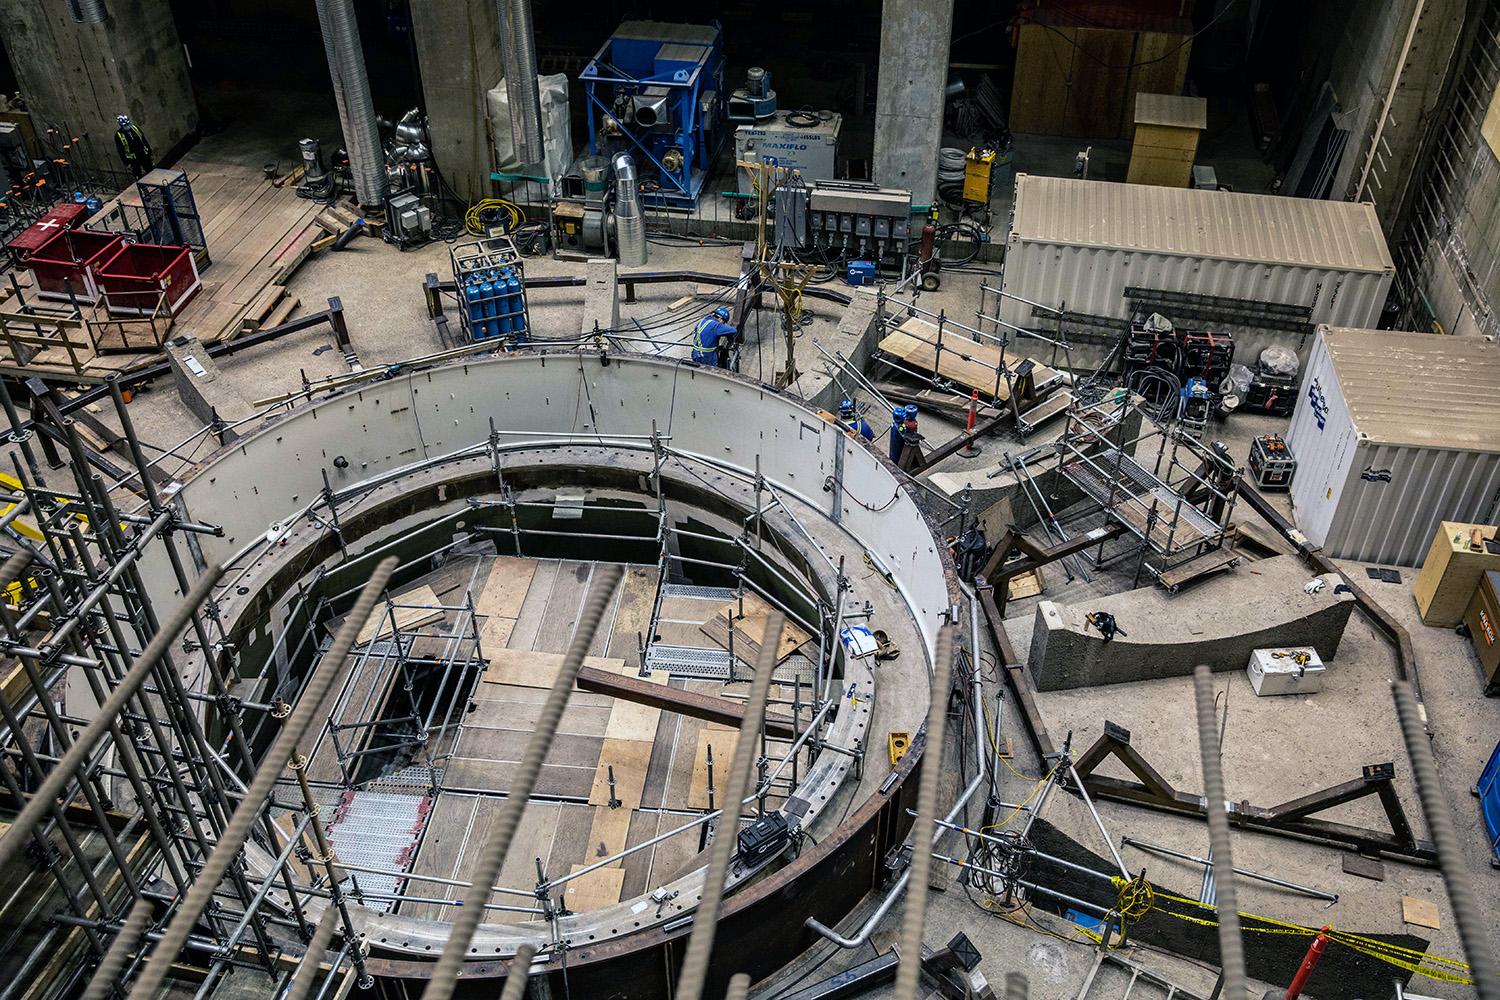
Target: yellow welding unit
978,166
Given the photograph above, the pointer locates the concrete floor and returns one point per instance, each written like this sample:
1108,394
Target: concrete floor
1274,749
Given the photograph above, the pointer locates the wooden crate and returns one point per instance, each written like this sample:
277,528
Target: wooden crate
1450,573
1167,128
1079,81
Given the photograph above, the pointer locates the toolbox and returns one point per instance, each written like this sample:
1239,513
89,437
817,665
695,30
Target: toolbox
1482,619
1272,462
1292,670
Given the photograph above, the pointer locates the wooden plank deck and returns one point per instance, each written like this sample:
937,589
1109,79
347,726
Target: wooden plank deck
962,361
257,235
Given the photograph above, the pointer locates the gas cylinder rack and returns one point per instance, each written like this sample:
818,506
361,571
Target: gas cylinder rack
489,278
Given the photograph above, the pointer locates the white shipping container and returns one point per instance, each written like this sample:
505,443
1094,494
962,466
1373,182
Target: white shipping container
1077,245
1394,432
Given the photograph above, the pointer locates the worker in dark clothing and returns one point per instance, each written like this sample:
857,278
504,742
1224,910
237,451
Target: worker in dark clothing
713,339
131,143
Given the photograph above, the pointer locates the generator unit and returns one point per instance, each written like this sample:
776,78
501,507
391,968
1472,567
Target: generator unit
859,221
804,141
656,91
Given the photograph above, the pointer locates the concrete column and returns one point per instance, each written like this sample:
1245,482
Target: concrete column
458,47
914,38
77,77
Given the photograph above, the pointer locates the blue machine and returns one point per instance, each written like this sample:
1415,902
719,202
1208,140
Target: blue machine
1488,790
860,272
656,90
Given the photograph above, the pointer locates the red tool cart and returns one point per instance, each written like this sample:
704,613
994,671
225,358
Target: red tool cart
135,278
69,262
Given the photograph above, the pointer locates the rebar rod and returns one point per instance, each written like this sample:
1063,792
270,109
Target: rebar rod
1231,944
247,813
58,778
517,974
705,920
1472,929
1016,986
306,972
739,987
113,962
492,857
909,974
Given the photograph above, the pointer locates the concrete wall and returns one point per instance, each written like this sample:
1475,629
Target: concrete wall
458,46
1372,50
909,95
77,77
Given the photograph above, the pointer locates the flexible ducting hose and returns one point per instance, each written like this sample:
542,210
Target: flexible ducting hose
518,53
87,11
630,222
351,89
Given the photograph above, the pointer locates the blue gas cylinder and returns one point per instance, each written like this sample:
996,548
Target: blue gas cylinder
473,309
518,320
487,303
898,421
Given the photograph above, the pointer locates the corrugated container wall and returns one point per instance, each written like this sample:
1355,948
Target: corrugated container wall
1393,433
1077,246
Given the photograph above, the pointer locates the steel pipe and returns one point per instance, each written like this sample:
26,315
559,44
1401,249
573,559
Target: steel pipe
518,54
351,89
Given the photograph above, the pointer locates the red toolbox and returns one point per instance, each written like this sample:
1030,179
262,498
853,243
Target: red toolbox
64,215
69,261
134,279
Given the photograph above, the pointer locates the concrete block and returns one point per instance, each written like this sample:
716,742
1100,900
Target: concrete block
601,296
204,389
1220,623
854,338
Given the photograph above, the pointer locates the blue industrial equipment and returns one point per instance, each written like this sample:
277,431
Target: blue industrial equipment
656,90
1488,790
490,279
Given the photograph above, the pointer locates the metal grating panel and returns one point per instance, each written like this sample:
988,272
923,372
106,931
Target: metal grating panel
689,661
698,593
378,830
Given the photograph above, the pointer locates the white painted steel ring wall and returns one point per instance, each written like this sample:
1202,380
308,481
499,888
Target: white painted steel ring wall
418,417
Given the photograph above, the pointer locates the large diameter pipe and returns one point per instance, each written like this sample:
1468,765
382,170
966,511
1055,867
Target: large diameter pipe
492,855
706,918
253,802
1472,929
909,975
1231,945
630,222
87,11
518,54
351,89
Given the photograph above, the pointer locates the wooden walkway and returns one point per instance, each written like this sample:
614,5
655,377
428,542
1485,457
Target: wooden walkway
257,234
961,361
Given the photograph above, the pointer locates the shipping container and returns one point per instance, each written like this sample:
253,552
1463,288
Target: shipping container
1263,268
1394,433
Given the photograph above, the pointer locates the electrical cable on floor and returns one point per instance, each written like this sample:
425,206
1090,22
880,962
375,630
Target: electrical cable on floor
491,856
252,802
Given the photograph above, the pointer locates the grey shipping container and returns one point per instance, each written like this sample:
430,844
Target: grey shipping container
1265,268
1394,432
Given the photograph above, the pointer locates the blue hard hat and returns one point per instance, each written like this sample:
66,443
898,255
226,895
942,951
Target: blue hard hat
722,313
124,120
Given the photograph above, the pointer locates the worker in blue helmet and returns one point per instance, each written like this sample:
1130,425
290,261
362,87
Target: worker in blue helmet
713,338
854,423
133,148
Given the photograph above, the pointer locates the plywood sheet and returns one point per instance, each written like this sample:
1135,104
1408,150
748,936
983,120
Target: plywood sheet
964,361
750,628
723,740
499,600
528,668
1420,912
608,833
418,610
594,891
562,780
630,721
633,612
630,758
534,608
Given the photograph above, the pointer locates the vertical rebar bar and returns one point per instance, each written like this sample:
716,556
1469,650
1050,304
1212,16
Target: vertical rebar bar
739,987
706,918
113,962
1472,929
306,972
518,972
1016,986
1231,945
248,812
490,859
909,975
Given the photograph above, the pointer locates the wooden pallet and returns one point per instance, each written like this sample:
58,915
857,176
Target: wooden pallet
962,362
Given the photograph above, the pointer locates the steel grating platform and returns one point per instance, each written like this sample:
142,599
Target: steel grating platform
1128,491
378,830
722,594
689,661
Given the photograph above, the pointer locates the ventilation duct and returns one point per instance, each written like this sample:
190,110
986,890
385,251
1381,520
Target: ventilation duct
87,11
518,52
351,88
630,223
